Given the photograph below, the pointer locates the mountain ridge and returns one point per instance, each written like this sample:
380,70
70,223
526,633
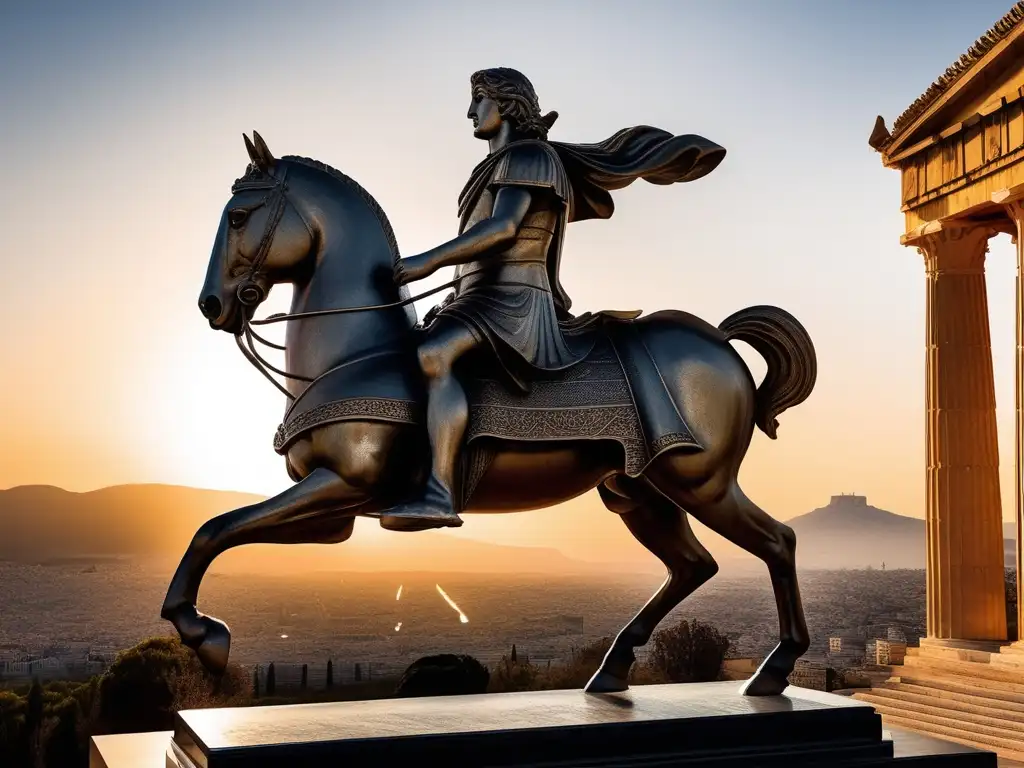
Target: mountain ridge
47,523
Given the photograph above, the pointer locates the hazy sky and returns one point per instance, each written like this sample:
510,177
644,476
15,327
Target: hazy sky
120,136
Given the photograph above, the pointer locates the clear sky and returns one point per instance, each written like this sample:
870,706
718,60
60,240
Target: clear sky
120,135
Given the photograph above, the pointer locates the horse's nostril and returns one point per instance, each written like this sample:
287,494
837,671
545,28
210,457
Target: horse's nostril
210,307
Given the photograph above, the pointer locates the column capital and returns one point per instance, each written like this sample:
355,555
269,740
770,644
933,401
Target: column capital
1012,201
951,246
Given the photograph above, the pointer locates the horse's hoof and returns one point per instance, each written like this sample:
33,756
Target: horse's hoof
606,682
765,682
215,647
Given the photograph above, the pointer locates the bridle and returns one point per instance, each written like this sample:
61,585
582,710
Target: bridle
250,291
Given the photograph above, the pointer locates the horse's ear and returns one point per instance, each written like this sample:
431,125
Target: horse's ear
549,118
251,149
265,158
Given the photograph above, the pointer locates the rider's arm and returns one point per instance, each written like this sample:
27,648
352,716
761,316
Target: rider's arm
492,235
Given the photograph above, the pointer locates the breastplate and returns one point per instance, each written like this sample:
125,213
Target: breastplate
526,259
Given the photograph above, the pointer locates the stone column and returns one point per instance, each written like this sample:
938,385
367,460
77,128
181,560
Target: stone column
966,597
1012,201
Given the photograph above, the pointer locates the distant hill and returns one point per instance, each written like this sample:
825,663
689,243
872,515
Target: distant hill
850,533
45,523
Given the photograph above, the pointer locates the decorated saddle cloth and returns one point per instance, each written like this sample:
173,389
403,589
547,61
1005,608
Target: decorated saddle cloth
617,393
614,394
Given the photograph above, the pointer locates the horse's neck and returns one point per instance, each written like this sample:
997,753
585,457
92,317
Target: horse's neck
346,274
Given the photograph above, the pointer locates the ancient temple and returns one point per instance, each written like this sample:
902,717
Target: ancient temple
959,149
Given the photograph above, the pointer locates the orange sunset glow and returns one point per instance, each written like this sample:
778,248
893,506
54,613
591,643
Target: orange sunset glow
112,199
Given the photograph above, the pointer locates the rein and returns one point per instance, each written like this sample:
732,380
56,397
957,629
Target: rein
249,348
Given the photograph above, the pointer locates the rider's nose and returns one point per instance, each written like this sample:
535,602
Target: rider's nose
210,307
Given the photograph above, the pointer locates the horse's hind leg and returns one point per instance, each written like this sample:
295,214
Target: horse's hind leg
662,527
721,505
292,517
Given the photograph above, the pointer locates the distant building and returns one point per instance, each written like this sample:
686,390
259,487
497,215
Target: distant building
887,652
846,649
896,635
817,677
848,500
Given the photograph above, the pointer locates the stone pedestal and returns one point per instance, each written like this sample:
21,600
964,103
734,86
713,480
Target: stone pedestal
691,725
966,598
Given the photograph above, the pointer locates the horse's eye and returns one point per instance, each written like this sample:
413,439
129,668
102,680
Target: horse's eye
237,217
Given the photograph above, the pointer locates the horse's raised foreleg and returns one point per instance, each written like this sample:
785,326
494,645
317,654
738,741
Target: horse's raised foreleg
662,527
292,517
721,505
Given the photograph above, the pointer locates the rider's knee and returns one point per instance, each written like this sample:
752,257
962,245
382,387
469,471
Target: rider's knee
364,469
434,360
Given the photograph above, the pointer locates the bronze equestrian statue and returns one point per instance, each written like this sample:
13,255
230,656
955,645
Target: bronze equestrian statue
501,400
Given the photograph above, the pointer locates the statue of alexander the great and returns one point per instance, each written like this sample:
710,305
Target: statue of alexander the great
509,300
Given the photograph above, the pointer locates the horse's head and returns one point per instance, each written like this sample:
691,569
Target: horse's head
263,239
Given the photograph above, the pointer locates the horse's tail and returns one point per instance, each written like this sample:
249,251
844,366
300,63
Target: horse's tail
787,348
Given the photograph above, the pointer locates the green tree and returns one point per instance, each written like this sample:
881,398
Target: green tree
34,724
514,658
689,652
256,681
271,680
305,677
445,674
146,684
64,745
13,740
330,674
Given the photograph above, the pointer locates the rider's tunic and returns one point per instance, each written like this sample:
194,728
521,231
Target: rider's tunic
507,298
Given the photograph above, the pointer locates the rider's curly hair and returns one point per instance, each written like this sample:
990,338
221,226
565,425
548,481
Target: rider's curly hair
516,99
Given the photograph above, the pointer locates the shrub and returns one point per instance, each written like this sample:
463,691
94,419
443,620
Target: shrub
689,652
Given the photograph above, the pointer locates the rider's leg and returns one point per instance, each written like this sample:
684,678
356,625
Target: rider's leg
446,342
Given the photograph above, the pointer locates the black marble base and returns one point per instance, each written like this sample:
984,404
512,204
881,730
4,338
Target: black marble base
662,725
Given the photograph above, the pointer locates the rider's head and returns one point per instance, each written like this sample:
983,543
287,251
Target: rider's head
506,95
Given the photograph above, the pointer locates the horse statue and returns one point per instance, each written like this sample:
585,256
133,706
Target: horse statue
354,439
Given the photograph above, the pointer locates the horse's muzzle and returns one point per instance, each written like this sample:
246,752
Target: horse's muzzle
210,307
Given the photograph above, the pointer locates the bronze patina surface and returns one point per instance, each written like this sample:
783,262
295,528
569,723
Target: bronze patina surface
502,400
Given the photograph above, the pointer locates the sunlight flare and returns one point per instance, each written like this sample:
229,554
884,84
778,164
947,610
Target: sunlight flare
462,617
398,626
399,595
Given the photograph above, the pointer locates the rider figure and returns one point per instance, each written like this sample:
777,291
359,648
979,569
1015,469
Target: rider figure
508,298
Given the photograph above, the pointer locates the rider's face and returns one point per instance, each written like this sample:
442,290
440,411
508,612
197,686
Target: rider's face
483,111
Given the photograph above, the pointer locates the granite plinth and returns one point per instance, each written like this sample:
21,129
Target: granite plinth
662,725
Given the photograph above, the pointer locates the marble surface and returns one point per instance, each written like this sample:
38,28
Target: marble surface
531,728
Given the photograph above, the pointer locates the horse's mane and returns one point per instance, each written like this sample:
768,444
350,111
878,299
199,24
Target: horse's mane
372,204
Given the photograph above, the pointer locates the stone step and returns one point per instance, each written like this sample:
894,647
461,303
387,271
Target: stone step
1005,726
966,692
954,654
955,702
926,676
1015,649
970,669
967,733
1007,749
992,646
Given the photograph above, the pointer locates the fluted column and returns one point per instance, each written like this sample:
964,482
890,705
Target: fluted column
1013,204
966,598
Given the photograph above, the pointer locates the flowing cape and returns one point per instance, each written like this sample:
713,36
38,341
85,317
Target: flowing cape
643,152
593,171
